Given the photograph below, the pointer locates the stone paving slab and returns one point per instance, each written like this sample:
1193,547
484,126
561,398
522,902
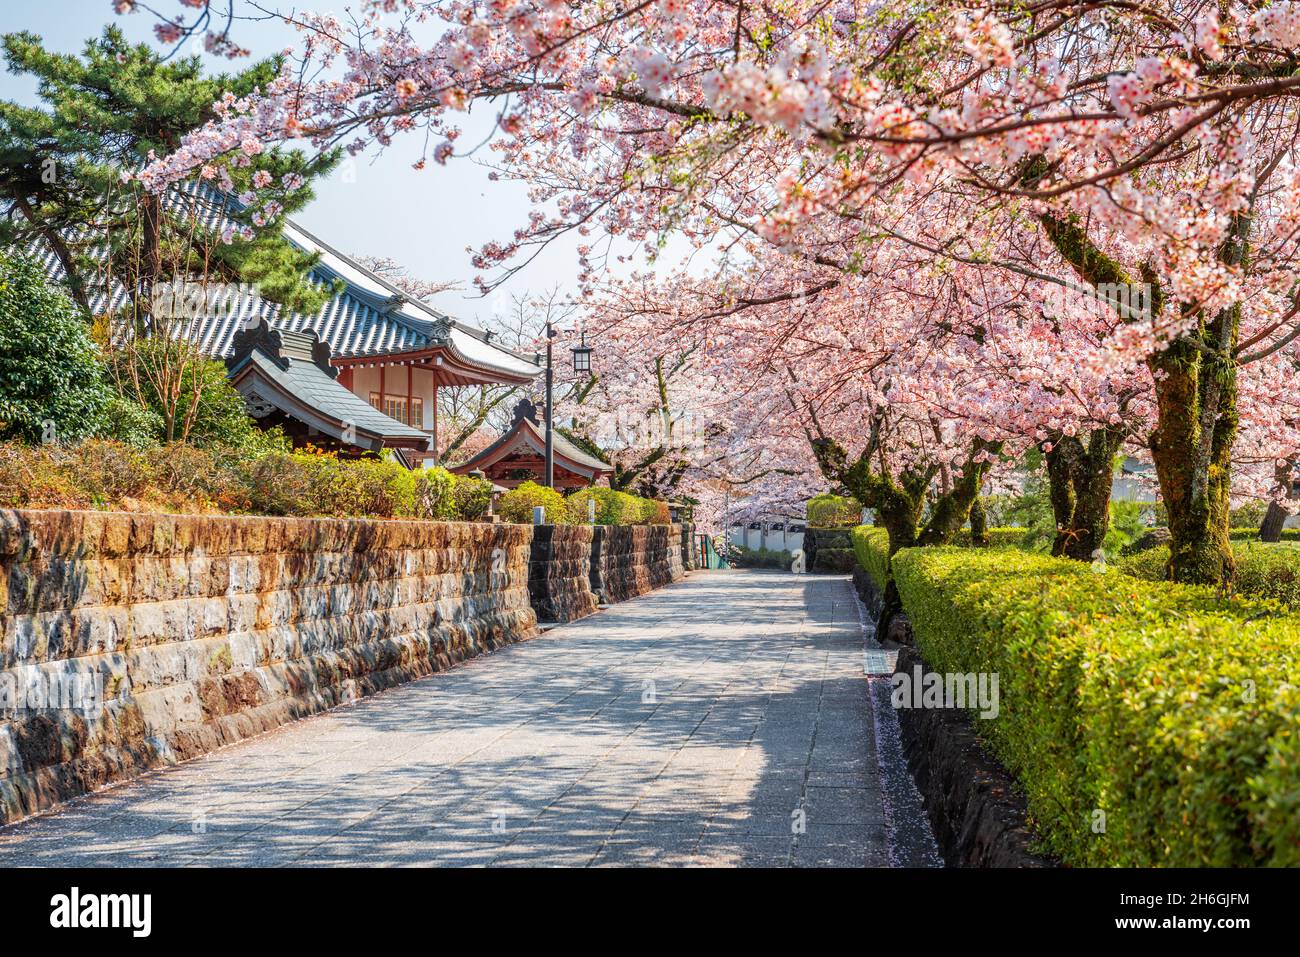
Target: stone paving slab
724,720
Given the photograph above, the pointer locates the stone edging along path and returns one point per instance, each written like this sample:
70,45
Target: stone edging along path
977,813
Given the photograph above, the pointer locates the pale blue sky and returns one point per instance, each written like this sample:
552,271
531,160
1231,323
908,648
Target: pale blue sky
380,205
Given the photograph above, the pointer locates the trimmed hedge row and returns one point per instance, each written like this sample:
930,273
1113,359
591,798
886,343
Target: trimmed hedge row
1264,570
871,547
1247,534
612,508
1006,536
1148,723
833,511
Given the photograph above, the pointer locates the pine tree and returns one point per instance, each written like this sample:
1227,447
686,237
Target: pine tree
104,113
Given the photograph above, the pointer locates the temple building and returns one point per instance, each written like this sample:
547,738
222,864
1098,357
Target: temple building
520,456
391,352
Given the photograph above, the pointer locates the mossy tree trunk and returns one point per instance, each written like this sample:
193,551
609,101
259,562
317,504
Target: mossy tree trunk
1196,403
979,524
1079,478
1192,449
900,502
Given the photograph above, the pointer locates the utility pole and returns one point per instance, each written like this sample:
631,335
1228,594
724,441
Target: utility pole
726,527
550,382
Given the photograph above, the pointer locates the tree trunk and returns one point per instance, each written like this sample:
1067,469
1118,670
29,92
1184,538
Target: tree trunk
979,525
150,263
1270,530
953,508
1079,479
1192,449
899,514
1196,402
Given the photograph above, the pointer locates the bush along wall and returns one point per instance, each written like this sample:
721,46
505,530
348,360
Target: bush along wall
143,639
871,569
1149,724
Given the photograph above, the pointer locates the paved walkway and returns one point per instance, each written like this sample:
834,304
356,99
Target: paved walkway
724,720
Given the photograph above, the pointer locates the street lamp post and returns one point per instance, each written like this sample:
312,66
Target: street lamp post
581,363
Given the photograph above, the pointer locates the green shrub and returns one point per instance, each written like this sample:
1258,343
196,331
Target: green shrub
1252,534
1006,537
434,495
833,511
610,506
871,547
517,504
472,498
742,557
208,410
1167,709
1264,570
615,508
1249,515
50,369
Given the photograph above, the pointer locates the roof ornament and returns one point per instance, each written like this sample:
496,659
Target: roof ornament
441,329
525,409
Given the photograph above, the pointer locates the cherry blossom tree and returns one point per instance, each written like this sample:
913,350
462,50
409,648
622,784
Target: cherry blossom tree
1150,146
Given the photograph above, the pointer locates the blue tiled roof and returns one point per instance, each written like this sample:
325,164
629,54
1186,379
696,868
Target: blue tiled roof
369,317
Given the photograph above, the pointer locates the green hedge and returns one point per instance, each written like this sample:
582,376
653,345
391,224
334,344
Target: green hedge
1160,705
833,511
616,508
871,546
1009,536
1264,570
517,504
742,557
1247,534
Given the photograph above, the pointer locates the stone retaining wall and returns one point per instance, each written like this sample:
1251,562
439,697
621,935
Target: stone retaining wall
978,816
689,558
630,560
559,573
202,630
829,550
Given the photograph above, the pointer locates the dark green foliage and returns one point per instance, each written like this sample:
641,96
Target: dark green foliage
49,367
102,113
